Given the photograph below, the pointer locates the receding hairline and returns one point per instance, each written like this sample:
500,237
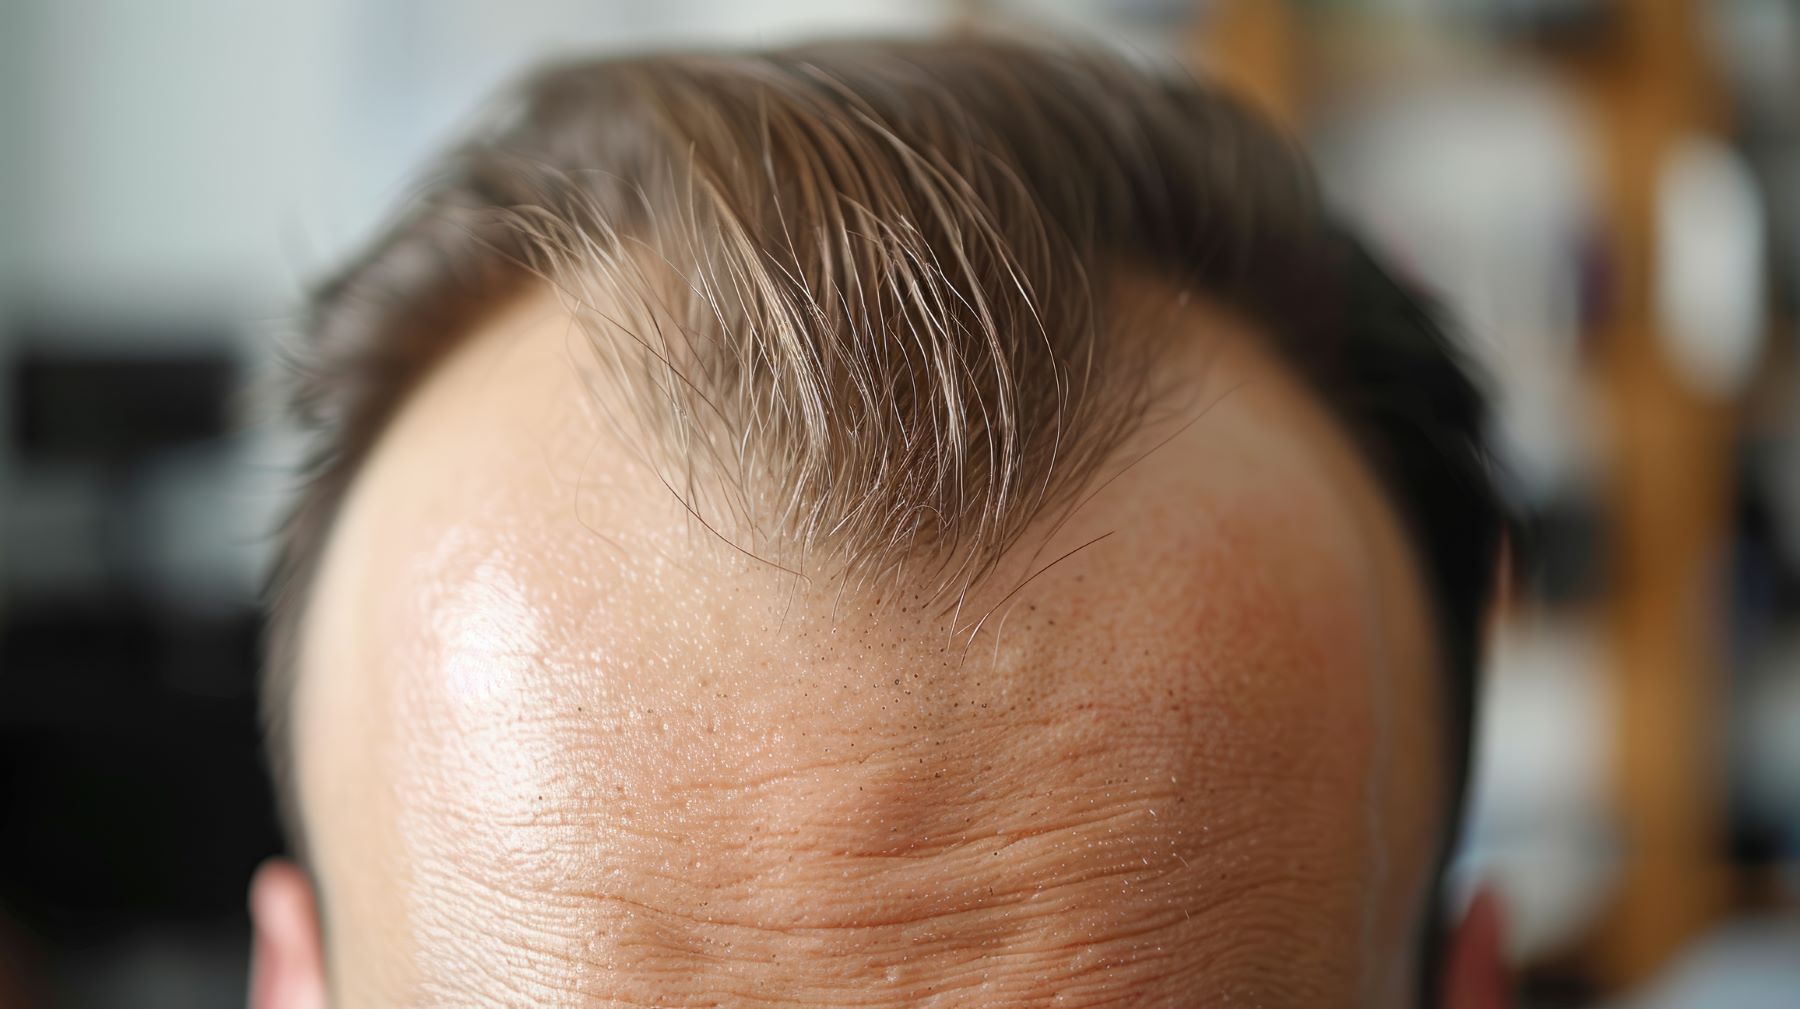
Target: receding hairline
965,195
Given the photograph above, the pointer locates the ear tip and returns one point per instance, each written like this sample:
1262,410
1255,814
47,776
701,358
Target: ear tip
287,968
1487,910
1477,975
269,884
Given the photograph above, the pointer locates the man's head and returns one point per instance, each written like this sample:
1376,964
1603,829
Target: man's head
932,524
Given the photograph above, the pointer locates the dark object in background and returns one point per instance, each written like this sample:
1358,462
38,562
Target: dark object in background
133,805
115,408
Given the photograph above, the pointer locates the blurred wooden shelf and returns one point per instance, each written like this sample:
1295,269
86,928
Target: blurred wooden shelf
1645,84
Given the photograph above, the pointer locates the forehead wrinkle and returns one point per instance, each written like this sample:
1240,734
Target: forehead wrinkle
696,767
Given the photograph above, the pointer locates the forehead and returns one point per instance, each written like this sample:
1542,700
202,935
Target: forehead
552,735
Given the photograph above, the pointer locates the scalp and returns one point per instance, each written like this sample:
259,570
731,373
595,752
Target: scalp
563,748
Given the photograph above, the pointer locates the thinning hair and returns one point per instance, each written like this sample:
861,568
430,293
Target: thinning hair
861,301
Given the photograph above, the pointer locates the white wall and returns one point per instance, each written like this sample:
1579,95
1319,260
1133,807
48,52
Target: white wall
185,157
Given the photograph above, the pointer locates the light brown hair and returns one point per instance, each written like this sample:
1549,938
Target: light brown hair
860,297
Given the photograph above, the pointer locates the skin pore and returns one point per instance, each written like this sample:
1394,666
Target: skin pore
558,746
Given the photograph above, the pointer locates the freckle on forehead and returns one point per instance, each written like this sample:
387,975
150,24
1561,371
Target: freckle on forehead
658,766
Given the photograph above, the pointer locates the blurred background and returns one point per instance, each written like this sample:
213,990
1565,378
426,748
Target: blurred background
1607,193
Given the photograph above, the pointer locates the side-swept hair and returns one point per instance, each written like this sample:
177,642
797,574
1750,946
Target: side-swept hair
859,295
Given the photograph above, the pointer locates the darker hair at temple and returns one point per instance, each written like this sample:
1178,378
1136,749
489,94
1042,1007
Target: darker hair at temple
1001,179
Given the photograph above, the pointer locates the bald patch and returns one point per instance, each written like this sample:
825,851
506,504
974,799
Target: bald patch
560,747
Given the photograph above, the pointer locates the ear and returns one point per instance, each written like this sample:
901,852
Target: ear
287,961
1475,976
